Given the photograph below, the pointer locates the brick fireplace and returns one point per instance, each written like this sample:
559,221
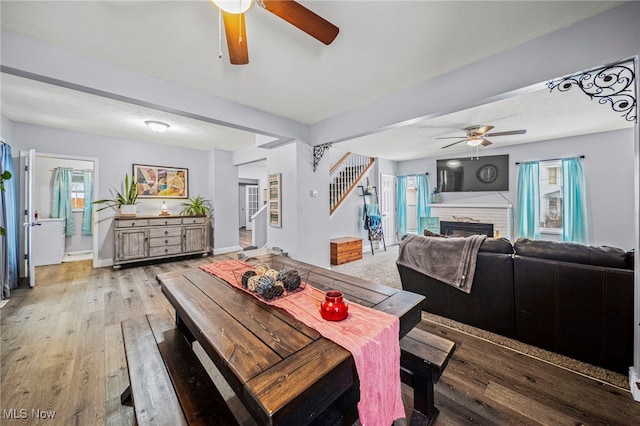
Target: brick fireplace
499,215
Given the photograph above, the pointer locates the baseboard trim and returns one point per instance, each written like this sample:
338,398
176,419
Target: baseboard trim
103,263
634,384
225,250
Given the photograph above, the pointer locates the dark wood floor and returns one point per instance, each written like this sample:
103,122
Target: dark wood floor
62,351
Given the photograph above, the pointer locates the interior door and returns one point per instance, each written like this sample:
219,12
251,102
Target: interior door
29,218
388,207
252,200
242,203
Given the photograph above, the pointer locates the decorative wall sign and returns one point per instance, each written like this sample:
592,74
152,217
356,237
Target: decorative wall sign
610,84
318,152
161,182
275,200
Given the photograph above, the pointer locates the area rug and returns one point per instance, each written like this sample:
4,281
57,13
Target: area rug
380,267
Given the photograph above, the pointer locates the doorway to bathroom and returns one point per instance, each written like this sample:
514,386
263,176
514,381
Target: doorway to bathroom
59,180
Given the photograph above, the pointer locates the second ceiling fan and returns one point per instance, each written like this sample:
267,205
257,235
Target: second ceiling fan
477,135
291,11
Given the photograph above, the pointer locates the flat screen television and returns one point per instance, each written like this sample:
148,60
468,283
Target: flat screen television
488,173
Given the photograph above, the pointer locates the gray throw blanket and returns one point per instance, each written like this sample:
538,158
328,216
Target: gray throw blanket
450,260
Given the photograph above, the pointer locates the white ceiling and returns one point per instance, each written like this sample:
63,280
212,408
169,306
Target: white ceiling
383,47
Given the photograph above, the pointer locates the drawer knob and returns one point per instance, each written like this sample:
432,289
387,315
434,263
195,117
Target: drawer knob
166,222
166,232
133,224
166,241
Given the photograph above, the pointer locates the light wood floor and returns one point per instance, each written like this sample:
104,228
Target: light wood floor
62,351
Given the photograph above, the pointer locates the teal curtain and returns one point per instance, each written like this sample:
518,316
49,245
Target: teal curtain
424,199
528,220
402,206
9,247
574,202
87,213
62,198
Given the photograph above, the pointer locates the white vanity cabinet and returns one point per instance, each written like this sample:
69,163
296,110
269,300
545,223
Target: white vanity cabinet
142,238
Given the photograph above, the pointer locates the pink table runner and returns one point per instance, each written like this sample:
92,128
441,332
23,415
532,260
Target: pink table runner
371,336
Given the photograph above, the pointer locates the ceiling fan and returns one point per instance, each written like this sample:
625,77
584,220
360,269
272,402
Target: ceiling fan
291,11
476,135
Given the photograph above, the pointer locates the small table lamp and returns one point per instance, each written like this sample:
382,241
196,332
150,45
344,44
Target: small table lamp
164,211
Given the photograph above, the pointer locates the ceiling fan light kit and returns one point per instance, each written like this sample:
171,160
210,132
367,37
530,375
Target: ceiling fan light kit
234,6
477,135
233,11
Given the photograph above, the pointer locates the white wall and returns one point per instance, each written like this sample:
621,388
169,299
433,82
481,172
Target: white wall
115,157
223,184
609,171
6,130
305,219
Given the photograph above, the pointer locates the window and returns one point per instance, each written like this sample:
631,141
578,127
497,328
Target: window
550,196
412,205
77,190
553,173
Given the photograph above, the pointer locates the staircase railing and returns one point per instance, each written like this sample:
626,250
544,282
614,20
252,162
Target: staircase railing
344,176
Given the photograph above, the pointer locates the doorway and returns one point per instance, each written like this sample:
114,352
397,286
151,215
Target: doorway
388,207
50,243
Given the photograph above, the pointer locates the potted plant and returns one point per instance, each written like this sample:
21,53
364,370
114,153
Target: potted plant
126,200
196,206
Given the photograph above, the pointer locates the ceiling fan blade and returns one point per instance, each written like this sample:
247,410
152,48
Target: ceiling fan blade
236,33
478,130
512,132
301,17
452,137
452,144
486,142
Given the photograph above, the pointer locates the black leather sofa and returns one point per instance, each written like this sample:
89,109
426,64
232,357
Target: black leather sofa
572,299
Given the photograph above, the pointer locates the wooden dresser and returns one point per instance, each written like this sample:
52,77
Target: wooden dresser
141,238
345,249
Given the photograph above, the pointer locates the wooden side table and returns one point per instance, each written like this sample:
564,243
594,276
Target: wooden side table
345,249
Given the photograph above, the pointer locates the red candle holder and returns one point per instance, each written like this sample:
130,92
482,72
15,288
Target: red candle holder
333,307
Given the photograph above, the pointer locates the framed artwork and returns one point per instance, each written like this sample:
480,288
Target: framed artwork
431,224
161,182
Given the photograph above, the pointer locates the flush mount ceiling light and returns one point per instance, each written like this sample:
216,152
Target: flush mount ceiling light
157,126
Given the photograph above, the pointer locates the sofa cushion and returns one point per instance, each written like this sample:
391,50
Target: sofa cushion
497,245
604,256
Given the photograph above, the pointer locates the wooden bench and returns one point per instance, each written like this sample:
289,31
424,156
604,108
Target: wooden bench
423,358
169,385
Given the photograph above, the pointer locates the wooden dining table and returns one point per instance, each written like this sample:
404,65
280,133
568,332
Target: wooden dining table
283,371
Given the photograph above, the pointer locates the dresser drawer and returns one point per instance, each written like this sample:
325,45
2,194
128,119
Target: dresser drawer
174,231
194,220
166,241
165,221
131,223
164,251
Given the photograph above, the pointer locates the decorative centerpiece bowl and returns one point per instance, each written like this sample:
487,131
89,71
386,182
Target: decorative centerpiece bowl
270,283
